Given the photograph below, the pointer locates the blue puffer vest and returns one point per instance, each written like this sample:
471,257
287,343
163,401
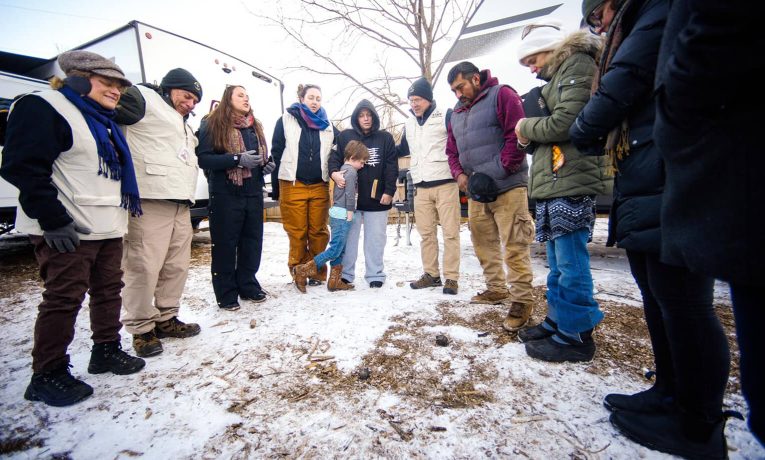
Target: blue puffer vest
480,139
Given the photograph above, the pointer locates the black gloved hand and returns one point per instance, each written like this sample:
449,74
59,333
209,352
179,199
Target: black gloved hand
269,167
250,159
66,238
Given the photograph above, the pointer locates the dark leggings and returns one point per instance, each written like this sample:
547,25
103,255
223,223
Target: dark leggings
689,344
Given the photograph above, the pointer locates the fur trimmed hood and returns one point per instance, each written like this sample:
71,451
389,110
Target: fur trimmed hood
582,41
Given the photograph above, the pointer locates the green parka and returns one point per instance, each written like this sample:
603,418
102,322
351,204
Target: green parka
569,70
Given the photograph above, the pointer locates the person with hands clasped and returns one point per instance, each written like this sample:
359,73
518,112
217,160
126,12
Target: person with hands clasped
564,183
77,185
301,144
377,184
157,252
232,148
340,218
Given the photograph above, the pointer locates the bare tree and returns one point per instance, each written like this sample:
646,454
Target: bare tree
416,29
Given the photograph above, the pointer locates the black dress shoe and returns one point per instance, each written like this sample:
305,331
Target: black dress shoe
376,284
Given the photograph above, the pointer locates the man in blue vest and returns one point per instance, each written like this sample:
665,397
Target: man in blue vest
485,160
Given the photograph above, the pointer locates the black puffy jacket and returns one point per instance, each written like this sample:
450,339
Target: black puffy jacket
626,93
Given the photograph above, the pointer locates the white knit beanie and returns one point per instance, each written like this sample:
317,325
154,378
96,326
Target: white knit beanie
544,36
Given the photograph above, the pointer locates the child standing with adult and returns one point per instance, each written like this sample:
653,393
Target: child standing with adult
340,219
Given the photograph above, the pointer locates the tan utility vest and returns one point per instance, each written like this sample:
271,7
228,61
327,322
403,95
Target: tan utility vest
93,201
427,148
162,145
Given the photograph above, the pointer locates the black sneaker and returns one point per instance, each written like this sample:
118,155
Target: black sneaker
57,388
376,284
230,306
256,297
109,357
538,332
553,351
314,282
652,400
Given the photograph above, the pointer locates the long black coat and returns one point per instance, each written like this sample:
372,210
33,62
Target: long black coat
708,128
626,92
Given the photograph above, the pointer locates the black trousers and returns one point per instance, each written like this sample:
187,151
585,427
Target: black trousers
236,231
749,309
689,345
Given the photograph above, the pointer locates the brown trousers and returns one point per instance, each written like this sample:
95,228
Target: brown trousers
305,213
156,263
504,225
93,268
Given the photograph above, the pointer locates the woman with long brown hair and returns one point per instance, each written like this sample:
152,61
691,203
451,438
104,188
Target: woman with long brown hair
232,150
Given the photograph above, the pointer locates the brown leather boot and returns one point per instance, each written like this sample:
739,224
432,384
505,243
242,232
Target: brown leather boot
301,273
336,282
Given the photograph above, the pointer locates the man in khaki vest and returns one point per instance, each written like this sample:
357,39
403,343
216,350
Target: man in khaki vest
157,249
437,197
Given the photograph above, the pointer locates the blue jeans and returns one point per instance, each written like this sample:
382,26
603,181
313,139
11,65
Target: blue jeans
334,252
569,283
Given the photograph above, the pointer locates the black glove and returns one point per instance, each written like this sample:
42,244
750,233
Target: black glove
66,238
269,167
250,159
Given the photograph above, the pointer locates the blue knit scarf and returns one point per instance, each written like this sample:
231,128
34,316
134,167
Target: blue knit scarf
115,165
316,120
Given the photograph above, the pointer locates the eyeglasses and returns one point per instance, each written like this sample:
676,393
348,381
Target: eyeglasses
595,19
527,30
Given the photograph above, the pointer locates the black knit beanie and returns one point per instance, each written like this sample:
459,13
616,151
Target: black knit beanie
421,88
182,79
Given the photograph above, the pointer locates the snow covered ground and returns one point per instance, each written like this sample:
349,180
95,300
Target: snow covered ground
281,378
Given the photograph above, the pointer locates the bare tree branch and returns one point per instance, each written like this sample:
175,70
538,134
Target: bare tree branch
410,28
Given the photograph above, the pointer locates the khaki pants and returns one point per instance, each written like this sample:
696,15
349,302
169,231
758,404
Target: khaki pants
305,213
155,259
504,224
434,205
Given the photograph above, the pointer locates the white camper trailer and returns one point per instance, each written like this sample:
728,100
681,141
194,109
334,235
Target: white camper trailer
146,54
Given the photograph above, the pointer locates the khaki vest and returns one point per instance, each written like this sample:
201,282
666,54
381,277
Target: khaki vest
162,146
427,147
93,201
292,130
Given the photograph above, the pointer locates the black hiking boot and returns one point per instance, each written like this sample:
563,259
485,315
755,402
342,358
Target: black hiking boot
57,388
109,357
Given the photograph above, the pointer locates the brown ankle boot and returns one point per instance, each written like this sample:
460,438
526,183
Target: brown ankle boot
336,282
302,272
